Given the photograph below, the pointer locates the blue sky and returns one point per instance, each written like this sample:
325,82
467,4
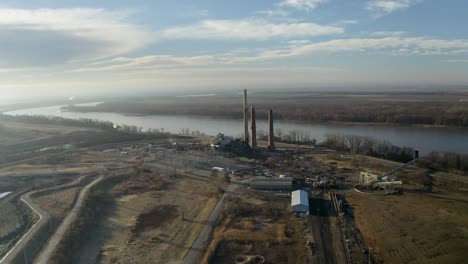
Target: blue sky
73,47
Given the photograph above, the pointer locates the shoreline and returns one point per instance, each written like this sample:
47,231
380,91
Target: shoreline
282,120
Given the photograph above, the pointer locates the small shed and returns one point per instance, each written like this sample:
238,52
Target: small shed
300,202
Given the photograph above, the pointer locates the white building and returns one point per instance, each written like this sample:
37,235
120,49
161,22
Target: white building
300,202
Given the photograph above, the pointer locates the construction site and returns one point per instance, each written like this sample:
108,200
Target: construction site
75,195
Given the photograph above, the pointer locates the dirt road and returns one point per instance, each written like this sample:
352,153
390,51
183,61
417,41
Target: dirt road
203,238
58,235
20,245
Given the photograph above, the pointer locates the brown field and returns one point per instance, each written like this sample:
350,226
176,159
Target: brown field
57,203
415,227
14,133
412,228
257,225
150,217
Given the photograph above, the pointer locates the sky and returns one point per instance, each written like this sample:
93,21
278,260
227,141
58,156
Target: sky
72,48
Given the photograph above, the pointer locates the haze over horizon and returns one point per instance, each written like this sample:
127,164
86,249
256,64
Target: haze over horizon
52,48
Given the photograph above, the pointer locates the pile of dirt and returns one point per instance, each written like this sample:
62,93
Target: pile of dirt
155,218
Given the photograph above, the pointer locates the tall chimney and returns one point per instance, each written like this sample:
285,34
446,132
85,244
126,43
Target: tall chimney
246,121
271,136
253,136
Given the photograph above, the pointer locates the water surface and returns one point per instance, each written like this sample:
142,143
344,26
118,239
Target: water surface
425,139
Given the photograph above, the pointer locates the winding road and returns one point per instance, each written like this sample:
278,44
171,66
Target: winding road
20,244
61,230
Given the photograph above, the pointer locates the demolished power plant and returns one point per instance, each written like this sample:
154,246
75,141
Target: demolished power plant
251,139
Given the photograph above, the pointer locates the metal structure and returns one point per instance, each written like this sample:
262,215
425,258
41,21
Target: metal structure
253,136
271,135
385,181
246,121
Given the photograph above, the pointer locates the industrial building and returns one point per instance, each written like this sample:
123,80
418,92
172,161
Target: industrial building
272,184
300,202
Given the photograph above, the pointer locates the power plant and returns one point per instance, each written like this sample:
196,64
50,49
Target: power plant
271,135
246,122
252,139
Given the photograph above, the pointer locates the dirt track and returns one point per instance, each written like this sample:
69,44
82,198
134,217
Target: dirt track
57,237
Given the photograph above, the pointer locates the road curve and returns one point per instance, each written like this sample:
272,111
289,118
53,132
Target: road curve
57,237
20,244
43,219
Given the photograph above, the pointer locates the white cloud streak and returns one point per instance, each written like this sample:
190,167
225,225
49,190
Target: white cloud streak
306,5
393,45
416,46
60,35
247,29
388,6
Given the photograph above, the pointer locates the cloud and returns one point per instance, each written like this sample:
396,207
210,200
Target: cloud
416,46
273,13
392,45
306,5
388,6
247,29
152,62
388,33
42,37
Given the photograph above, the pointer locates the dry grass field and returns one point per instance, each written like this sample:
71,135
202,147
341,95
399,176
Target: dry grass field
257,226
413,228
13,133
151,217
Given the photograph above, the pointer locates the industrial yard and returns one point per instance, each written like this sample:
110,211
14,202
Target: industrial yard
107,196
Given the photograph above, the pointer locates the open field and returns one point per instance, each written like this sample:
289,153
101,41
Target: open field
415,227
258,225
157,222
412,228
14,133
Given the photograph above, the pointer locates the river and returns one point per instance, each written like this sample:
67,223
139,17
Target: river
425,139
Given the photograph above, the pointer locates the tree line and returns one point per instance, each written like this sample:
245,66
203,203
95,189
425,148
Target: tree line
294,136
446,161
407,113
369,146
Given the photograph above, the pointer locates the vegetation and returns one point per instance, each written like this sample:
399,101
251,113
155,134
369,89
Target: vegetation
369,146
436,108
293,136
446,161
54,120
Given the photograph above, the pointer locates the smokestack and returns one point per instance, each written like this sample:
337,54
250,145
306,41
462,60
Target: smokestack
271,136
253,136
246,121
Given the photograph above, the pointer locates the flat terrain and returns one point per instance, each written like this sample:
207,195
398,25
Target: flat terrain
159,223
415,227
257,224
412,228
14,133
